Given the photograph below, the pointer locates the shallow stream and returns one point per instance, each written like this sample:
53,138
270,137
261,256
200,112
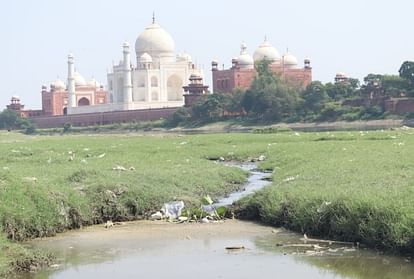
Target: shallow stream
159,249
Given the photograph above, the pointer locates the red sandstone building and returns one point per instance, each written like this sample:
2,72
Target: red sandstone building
242,72
55,100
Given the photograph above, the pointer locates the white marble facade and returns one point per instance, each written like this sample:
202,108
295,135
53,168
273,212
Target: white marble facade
156,81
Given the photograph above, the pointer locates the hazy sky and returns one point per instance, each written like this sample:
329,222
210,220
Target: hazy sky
354,36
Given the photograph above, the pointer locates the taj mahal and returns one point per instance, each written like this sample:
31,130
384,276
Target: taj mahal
155,81
159,79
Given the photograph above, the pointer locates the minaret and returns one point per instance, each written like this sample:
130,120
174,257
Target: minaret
71,84
127,74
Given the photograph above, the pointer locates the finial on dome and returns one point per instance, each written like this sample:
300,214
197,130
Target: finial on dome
153,17
243,48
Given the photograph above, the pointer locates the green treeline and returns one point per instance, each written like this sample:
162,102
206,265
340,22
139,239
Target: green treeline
271,99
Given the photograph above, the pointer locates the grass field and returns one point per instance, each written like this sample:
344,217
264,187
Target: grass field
355,186
352,186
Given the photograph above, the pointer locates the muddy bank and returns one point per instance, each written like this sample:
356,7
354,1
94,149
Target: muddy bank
157,249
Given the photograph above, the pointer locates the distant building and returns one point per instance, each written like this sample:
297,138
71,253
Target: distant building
156,81
194,90
242,72
55,101
341,78
16,106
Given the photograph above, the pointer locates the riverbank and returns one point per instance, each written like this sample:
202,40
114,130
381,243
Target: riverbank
230,126
353,186
50,184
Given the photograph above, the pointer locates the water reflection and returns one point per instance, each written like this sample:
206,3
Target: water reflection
343,260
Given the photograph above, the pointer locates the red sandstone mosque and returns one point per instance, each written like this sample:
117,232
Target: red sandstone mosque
242,71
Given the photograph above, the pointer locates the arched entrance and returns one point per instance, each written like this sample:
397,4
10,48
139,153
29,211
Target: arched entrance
65,111
83,102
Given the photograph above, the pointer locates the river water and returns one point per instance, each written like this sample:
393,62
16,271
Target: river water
159,249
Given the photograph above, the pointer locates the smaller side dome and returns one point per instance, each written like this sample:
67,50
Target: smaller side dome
245,60
15,98
145,58
290,61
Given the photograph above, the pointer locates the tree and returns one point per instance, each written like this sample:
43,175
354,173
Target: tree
407,71
270,98
314,96
209,108
9,119
181,115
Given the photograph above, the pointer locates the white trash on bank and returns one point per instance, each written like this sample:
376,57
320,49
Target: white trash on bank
173,209
156,216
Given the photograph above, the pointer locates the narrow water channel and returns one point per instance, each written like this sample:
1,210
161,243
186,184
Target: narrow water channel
159,249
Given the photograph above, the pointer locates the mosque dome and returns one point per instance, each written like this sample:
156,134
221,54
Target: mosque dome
155,41
145,58
266,52
15,98
79,80
290,61
93,83
58,84
245,60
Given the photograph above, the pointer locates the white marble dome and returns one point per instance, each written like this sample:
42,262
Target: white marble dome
245,60
93,83
145,58
79,80
155,41
290,61
266,52
58,84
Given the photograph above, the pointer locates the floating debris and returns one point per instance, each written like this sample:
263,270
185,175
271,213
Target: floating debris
235,247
